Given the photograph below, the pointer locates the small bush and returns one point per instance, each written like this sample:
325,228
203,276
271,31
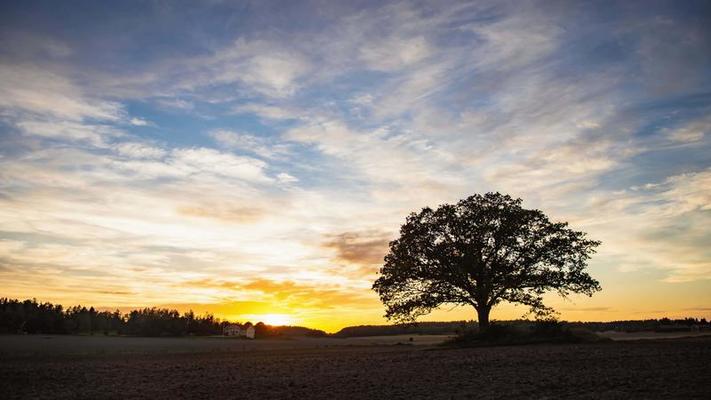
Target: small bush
548,331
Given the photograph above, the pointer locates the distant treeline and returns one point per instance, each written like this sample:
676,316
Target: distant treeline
31,316
656,325
420,328
289,331
457,327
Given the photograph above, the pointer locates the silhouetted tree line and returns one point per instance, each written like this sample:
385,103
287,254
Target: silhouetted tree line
656,325
419,328
30,316
263,330
459,327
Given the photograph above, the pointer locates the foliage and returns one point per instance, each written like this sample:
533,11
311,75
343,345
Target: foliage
542,331
29,316
658,325
420,328
269,331
479,252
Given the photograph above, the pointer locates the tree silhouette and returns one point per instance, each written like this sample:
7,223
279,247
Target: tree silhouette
479,252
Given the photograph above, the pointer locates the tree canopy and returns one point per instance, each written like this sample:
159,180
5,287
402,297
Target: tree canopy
481,251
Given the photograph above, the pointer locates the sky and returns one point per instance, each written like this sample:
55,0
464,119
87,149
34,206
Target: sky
254,159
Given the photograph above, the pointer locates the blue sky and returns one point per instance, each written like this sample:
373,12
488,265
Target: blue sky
255,157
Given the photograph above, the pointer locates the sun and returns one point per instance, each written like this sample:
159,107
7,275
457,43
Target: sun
275,319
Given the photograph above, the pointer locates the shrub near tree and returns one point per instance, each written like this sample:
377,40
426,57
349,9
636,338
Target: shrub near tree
483,250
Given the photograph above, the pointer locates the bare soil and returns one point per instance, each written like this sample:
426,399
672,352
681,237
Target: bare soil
117,368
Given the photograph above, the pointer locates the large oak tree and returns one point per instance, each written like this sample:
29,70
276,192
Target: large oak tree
484,250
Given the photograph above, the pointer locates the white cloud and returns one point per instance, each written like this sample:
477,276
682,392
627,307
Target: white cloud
263,67
70,131
203,160
396,167
140,122
28,89
274,74
660,226
688,192
515,41
693,131
139,150
267,111
258,145
283,177
587,124
176,103
394,53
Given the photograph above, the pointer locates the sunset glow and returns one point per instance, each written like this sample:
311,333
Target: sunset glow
274,319
256,168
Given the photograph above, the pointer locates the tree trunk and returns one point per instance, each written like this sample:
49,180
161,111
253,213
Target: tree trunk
483,313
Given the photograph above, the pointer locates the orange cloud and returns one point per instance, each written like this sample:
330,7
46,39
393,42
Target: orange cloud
240,215
210,284
290,294
366,248
302,295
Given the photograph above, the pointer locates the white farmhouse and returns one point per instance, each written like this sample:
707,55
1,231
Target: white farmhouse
232,330
250,332
247,330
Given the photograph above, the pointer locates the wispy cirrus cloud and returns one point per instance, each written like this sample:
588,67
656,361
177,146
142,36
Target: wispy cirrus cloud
30,90
245,142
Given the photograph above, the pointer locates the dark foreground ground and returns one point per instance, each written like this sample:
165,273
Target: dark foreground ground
117,368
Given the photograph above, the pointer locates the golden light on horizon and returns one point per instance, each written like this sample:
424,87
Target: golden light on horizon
272,319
